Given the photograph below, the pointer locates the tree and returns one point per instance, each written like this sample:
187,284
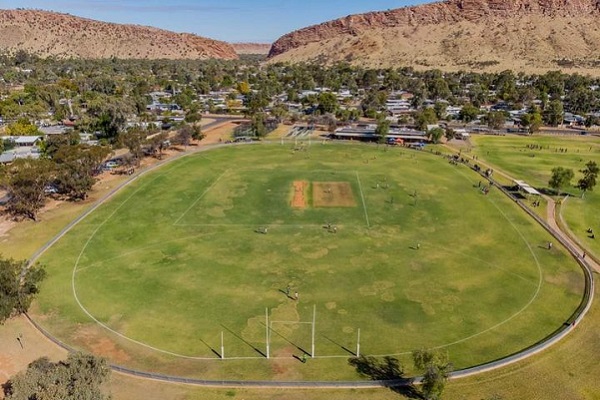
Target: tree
560,178
157,143
76,167
554,113
440,109
258,125
22,128
496,119
108,115
198,134
435,134
243,88
468,113
590,174
532,121
133,140
80,376
436,369
184,135
26,180
18,286
424,118
382,130
327,103
53,143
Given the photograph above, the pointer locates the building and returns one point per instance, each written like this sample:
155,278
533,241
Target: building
366,133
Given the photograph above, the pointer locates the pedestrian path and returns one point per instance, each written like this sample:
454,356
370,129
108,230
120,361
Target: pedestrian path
550,219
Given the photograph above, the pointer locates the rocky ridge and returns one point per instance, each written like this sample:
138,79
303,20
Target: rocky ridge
434,28
46,33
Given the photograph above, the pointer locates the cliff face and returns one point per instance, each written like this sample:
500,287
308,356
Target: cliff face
52,34
458,18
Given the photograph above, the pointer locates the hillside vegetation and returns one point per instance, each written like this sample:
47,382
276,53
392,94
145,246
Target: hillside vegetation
482,35
48,34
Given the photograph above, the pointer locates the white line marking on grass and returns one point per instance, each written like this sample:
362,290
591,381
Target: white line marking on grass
74,290
75,269
537,291
362,196
201,196
535,295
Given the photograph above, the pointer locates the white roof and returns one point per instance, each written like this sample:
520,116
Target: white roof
526,188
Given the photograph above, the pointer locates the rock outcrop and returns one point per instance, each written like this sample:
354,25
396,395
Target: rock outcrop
62,35
420,33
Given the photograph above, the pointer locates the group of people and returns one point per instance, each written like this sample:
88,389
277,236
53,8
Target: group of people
485,189
331,228
590,231
288,291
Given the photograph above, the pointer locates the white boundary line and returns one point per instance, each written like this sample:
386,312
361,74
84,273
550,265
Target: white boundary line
201,196
362,196
75,269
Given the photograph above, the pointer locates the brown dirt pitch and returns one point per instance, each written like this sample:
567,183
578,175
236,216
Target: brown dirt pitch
299,194
333,194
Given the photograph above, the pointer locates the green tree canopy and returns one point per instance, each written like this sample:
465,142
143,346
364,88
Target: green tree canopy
496,119
590,174
327,103
435,134
436,368
18,285
468,113
560,178
382,129
22,128
532,121
79,377
76,167
424,118
133,139
554,113
26,180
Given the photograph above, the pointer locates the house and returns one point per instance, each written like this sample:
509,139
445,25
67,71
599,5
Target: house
24,141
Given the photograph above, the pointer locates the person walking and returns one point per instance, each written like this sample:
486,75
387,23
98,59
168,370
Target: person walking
296,296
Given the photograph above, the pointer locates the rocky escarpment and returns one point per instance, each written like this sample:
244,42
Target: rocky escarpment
61,35
540,19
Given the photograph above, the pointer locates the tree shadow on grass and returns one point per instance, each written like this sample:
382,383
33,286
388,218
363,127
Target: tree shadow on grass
388,371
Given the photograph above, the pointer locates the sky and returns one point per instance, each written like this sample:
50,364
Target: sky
262,21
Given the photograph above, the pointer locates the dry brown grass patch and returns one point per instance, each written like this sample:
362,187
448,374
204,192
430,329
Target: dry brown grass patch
333,194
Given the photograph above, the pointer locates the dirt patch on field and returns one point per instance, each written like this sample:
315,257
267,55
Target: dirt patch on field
333,194
299,194
101,345
20,344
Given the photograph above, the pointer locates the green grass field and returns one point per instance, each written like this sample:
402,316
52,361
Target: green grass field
510,154
174,261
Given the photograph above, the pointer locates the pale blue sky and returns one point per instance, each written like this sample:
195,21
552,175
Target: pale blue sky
229,20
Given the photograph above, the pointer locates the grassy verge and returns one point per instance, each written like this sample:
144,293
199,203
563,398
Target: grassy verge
174,260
